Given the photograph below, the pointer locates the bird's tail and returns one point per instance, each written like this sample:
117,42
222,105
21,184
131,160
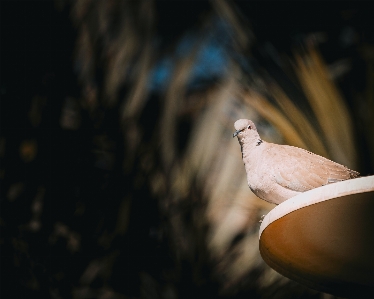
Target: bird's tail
353,174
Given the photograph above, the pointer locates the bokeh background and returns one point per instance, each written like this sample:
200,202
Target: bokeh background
119,174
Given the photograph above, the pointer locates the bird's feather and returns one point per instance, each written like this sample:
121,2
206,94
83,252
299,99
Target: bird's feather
305,170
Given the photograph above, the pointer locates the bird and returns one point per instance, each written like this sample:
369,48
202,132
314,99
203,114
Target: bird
277,172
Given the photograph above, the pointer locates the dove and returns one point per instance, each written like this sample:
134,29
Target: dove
278,172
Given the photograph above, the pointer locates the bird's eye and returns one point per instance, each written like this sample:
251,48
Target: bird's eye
249,127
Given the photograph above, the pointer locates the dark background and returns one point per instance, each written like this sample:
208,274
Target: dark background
61,197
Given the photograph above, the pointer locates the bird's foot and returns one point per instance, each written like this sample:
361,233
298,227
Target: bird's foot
262,218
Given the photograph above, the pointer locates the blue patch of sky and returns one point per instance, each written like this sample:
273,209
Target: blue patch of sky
211,62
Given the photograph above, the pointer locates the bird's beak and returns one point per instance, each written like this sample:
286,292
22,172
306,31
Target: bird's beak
236,133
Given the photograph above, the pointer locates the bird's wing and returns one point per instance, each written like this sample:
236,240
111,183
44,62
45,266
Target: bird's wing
301,170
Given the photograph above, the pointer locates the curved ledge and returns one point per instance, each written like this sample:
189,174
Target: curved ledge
311,197
324,238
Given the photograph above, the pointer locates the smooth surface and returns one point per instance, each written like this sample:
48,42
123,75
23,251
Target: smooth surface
324,238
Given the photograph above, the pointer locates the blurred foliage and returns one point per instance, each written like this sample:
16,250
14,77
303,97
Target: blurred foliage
119,174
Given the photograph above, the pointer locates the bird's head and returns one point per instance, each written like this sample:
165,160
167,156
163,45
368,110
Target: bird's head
245,128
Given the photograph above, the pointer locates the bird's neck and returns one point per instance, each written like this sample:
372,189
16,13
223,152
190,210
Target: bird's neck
249,146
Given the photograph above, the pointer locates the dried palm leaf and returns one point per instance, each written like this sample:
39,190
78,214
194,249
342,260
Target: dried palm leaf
328,106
